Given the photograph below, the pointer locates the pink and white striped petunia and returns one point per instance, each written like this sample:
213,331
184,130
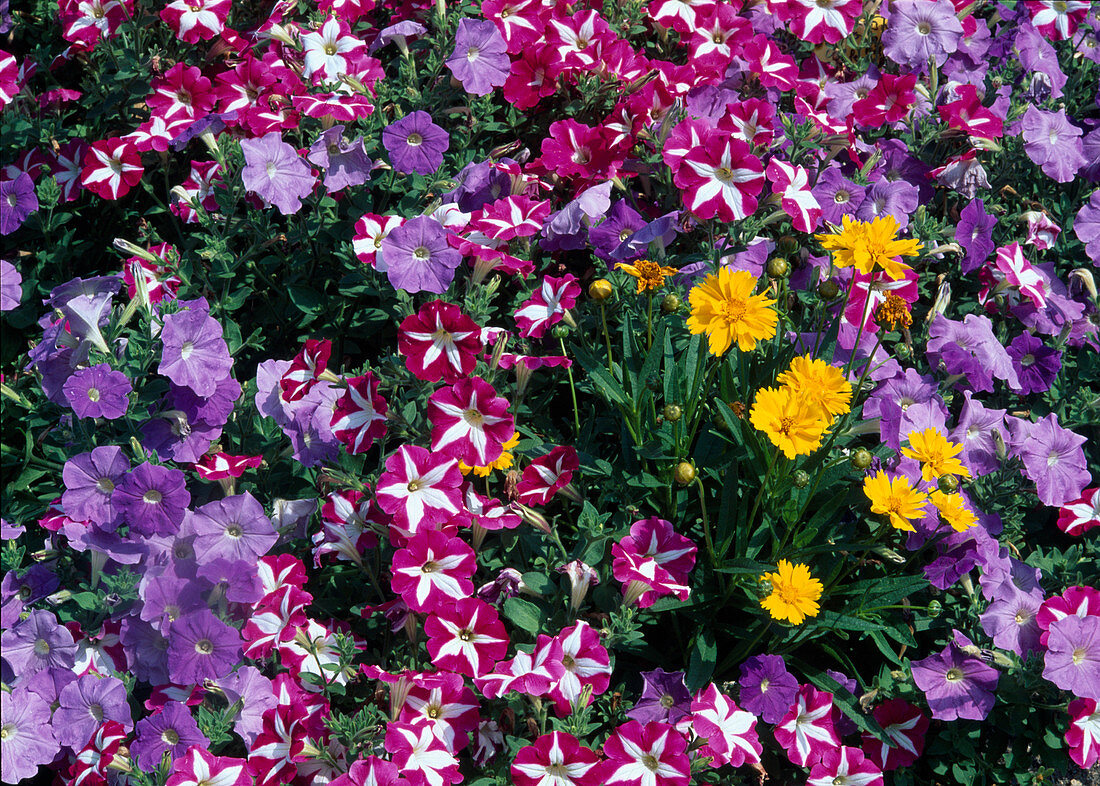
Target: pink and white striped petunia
770,64
439,342
111,168
371,771
511,217
792,184
556,759
816,21
196,20
650,755
273,621
1083,734
433,571
1079,516
419,489
346,519
534,674
720,178
845,766
83,22
271,758
547,305
1010,268
305,370
467,638
90,767
730,731
1057,19
585,663
360,415
326,51
806,731
222,466
370,231
444,704
200,767
421,756
906,726
547,475
470,422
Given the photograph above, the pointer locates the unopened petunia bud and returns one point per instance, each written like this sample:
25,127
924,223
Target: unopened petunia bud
1087,281
534,518
828,289
943,298
581,578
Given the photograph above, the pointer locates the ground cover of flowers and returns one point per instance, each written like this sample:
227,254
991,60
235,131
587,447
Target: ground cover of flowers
549,393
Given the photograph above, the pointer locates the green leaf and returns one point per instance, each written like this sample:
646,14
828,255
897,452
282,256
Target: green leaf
704,656
306,299
606,384
524,614
540,583
89,601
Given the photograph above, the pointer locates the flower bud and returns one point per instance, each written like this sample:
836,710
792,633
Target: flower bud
934,608
560,331
1086,279
600,289
861,458
787,245
828,289
948,484
671,303
672,412
777,267
801,479
581,578
684,473
534,518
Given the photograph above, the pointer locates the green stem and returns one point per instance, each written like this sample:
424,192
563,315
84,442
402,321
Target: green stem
763,486
606,337
706,522
573,393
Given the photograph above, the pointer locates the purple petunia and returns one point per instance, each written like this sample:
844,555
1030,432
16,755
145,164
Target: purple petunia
1054,461
975,234
837,195
17,201
1052,142
29,739
152,499
975,431
1073,655
90,480
11,289
202,647
1036,364
1010,620
970,350
234,528
919,31
480,58
195,355
37,643
767,688
98,392
415,144
1087,227
172,730
956,685
418,257
86,703
274,170
345,162
665,698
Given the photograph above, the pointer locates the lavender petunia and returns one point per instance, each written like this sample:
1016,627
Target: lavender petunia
202,647
767,688
415,144
37,643
969,350
98,392
18,200
1054,461
11,286
919,31
889,198
975,431
152,499
274,170
255,694
28,740
837,195
235,528
956,685
975,234
85,703
172,730
622,222
1052,142
195,354
480,58
90,480
345,162
1087,227
1010,620
418,257
1072,660
147,650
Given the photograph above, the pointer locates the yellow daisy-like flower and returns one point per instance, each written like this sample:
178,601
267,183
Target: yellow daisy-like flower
650,275
824,386
724,308
794,593
504,461
896,498
953,510
937,454
792,423
871,245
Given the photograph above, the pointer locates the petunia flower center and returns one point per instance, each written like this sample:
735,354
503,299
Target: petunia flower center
96,711
649,761
204,646
170,736
186,350
116,165
765,684
667,701
824,3
41,648
924,28
723,173
466,634
152,497
718,38
330,49
7,730
234,531
842,197
954,674
1027,360
473,417
12,200
1079,655
414,485
429,567
93,394
434,711
472,54
422,253
414,139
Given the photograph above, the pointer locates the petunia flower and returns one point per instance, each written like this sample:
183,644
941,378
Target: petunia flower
18,200
195,354
1052,142
1072,658
547,475
847,766
439,342
432,571
906,727
547,305
729,731
84,704
534,674
11,289
467,638
806,732
664,698
480,57
98,392
555,759
418,256
470,422
919,31
29,739
1083,734
111,168
1080,515
767,688
152,499
201,646
956,685
421,756
650,755
415,144
274,171
1054,460
419,489
444,704
199,767
586,665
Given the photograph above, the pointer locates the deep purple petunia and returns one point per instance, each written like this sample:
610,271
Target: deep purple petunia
98,392
37,643
274,170
767,688
172,730
11,286
1054,461
234,528
152,499
195,354
202,647
147,650
622,222
1036,364
975,234
665,698
418,257
1052,142
415,144
345,162
480,58
28,739
17,201
1073,655
84,704
90,480
955,684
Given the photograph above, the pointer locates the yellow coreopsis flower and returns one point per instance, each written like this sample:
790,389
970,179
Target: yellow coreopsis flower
937,454
823,385
871,245
650,275
504,461
794,593
724,307
792,423
896,498
953,510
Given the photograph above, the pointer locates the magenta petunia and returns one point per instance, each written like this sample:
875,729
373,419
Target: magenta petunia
555,759
806,731
433,571
420,489
470,422
467,637
654,755
730,731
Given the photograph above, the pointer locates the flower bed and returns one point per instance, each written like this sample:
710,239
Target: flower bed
556,394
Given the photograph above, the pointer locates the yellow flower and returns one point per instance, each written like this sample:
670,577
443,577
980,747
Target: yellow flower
650,275
792,423
936,454
817,382
504,461
871,245
724,308
953,510
894,311
896,498
794,593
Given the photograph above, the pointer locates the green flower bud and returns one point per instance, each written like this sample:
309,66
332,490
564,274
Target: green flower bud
685,473
861,458
672,412
828,289
801,479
